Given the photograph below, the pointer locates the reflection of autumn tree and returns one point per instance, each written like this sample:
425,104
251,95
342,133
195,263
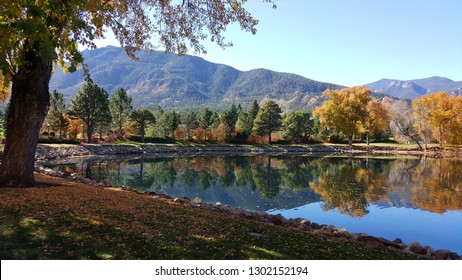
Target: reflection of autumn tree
440,185
375,173
343,186
267,179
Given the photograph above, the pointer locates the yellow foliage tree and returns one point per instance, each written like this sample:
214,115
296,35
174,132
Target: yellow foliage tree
438,117
376,120
344,110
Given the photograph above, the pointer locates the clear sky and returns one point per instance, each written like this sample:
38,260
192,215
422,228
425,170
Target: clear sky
349,42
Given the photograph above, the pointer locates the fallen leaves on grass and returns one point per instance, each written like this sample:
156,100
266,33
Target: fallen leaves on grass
75,221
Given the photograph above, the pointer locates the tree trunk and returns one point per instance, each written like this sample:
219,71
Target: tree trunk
142,131
30,100
367,138
350,140
269,137
89,134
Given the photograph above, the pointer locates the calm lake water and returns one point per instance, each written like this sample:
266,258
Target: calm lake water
413,199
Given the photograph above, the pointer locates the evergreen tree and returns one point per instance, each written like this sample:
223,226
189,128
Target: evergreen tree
189,119
168,123
56,114
253,111
121,107
297,124
268,119
142,118
205,119
91,105
229,118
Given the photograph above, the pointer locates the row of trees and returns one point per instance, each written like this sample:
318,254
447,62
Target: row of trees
432,118
93,109
347,113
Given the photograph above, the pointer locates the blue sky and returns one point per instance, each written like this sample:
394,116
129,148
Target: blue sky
349,42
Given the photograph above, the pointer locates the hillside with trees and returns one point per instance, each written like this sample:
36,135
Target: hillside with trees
171,81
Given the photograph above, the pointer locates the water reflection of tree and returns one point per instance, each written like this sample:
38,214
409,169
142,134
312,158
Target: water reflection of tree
187,175
151,174
440,185
243,173
297,172
343,186
347,184
267,179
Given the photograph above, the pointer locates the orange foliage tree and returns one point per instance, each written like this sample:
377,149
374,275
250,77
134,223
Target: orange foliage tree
74,128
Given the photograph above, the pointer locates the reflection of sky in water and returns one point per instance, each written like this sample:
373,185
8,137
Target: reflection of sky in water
439,231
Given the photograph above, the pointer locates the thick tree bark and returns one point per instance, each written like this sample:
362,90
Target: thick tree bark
30,100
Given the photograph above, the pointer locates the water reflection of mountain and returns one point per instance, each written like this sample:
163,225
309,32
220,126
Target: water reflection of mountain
393,204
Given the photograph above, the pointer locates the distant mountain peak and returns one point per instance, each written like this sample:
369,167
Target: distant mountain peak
411,89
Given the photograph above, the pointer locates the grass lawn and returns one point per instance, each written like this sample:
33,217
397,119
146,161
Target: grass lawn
67,220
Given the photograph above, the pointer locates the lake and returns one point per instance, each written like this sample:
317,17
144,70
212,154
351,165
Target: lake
410,198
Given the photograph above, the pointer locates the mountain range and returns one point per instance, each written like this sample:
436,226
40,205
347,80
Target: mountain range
176,82
412,89
173,81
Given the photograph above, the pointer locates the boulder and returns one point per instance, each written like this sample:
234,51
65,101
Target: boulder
224,208
398,240
181,199
444,255
206,206
315,226
150,193
197,200
278,220
343,233
416,248
368,239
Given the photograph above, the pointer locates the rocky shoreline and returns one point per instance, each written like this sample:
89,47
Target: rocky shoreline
328,231
47,152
